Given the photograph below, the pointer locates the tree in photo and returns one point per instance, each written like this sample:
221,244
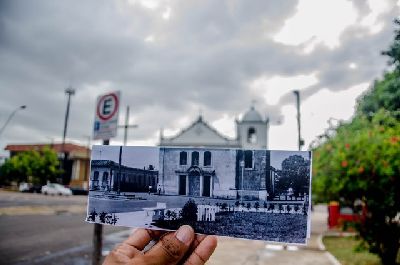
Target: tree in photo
189,212
295,175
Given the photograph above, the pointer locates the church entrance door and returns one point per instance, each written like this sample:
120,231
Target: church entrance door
194,183
206,186
182,184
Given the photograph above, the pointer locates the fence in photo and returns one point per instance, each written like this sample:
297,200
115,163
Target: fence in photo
207,212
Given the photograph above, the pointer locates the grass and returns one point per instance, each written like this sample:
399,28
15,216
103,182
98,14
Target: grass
251,225
343,248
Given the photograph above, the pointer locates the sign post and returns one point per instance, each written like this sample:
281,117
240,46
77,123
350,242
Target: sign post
106,116
105,127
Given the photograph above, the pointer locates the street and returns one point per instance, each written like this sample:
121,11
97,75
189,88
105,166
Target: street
35,228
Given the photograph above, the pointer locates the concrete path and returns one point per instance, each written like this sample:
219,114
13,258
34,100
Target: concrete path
235,251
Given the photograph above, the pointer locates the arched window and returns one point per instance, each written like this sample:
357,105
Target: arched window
182,158
195,158
248,159
251,136
207,158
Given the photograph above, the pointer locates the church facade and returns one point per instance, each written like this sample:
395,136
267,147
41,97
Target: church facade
225,167
216,173
251,133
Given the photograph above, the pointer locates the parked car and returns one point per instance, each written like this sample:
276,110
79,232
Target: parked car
29,187
24,187
56,189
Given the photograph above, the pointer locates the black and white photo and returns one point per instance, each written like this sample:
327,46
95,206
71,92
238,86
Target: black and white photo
253,194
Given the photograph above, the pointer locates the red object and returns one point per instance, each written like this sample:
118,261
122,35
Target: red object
336,219
334,213
68,147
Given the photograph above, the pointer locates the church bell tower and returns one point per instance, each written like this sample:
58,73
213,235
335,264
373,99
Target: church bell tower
252,130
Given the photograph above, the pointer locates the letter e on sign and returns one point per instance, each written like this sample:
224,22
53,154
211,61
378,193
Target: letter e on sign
106,116
107,106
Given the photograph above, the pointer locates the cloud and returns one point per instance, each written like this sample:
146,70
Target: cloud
171,59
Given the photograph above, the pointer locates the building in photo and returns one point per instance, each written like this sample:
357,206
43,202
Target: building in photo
216,173
251,133
107,175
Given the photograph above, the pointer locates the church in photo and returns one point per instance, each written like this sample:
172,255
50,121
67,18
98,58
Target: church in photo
224,167
216,172
251,133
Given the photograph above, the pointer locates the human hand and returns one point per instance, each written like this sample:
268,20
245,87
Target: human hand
182,246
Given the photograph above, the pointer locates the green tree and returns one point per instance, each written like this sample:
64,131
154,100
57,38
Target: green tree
394,50
361,162
384,94
35,166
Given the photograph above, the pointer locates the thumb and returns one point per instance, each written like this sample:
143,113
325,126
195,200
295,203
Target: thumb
171,247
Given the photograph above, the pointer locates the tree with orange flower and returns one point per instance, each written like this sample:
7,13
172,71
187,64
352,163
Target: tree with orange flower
361,162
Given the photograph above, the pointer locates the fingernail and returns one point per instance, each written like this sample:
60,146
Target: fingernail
185,234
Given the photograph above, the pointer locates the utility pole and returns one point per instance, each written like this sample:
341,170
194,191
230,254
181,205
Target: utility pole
300,140
87,165
70,92
98,235
126,126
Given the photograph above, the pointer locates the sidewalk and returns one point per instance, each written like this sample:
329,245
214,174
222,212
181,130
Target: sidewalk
234,251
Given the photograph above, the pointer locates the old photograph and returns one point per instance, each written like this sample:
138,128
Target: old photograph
253,194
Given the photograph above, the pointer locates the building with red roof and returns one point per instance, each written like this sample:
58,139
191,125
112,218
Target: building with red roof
77,164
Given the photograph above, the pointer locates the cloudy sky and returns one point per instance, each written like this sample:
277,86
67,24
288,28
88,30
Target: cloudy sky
172,60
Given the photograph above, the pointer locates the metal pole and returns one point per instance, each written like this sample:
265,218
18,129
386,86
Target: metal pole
98,235
242,164
10,117
70,92
300,141
126,126
119,170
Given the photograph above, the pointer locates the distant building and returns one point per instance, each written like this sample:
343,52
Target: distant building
107,175
251,133
77,163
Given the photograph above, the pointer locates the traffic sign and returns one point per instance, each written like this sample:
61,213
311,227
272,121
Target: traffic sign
106,116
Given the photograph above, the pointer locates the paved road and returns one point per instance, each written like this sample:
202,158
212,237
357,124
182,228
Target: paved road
42,229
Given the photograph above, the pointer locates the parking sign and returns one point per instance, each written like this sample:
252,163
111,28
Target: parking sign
106,116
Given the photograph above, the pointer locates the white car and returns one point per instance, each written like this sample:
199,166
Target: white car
24,187
56,189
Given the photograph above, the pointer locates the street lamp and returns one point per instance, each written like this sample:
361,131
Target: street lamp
300,141
70,92
10,117
242,166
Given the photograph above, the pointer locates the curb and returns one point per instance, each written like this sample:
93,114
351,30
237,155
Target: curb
322,247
